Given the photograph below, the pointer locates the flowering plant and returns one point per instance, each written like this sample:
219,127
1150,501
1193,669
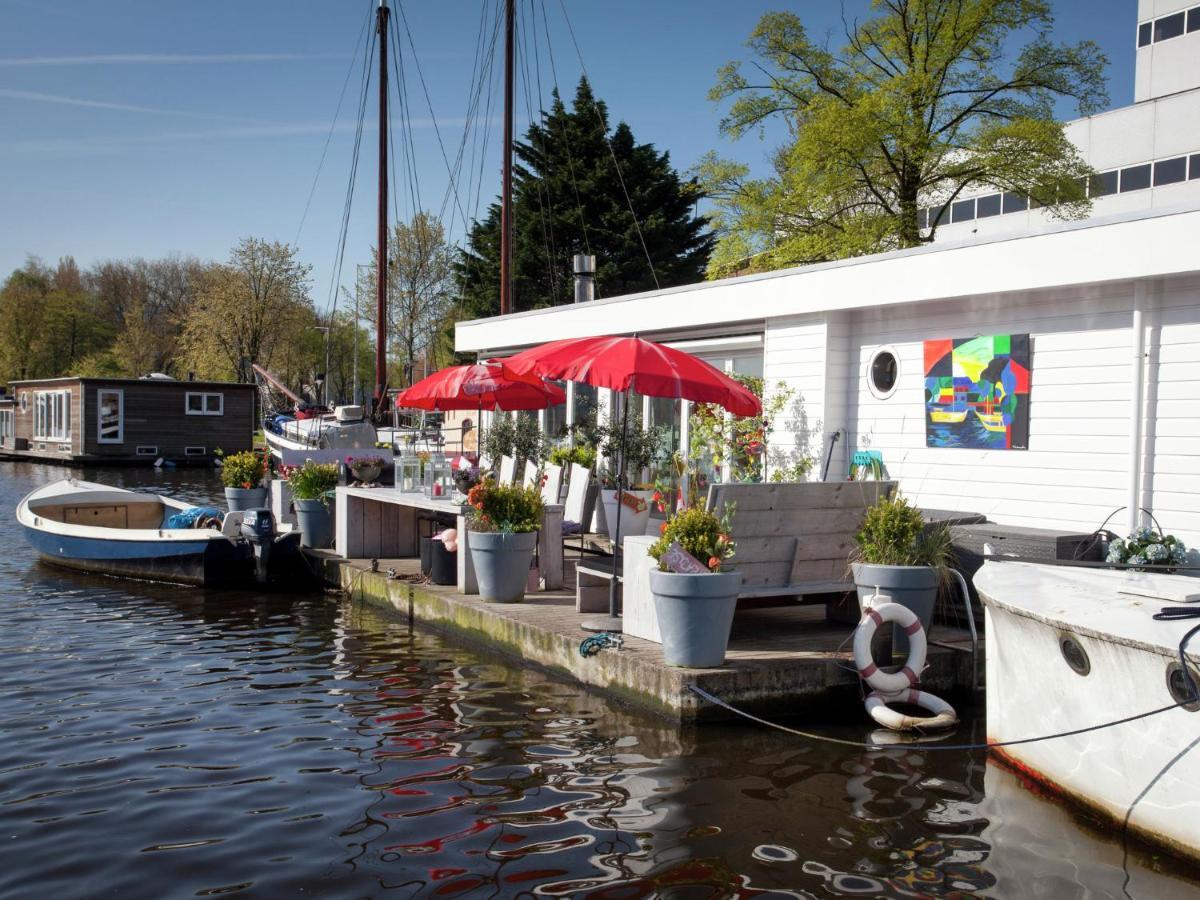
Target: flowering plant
366,462
506,508
243,470
1147,547
701,532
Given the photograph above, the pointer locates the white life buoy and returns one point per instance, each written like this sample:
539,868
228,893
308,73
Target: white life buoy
909,674
943,715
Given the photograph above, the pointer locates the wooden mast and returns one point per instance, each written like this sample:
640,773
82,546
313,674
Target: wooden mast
506,194
381,238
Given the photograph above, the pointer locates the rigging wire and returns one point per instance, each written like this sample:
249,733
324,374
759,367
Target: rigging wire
408,146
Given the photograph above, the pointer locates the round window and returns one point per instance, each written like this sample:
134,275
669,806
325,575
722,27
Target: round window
883,372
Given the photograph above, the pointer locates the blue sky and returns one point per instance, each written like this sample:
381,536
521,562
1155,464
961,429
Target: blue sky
137,128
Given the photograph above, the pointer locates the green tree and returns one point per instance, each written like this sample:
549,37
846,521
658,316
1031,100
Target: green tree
568,198
926,99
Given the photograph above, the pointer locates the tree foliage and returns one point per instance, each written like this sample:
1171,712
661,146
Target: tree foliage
924,100
568,198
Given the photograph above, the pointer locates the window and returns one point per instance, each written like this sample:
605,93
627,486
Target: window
6,424
938,215
147,451
1169,171
194,451
1194,166
883,371
1014,202
1103,184
24,401
922,218
1168,27
1193,19
110,416
1144,31
204,404
1135,178
987,206
52,415
962,211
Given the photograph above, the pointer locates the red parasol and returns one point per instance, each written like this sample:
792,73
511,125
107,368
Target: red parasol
624,363
479,386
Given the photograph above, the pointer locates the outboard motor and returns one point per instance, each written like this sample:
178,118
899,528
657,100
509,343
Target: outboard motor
258,527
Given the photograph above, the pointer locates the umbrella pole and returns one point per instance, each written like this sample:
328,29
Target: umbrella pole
613,621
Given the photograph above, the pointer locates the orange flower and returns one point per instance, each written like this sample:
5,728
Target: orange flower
662,529
714,563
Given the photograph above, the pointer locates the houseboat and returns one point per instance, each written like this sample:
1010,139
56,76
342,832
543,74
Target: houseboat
126,420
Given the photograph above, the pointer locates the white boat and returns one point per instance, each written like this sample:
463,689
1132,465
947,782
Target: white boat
1069,648
111,531
344,429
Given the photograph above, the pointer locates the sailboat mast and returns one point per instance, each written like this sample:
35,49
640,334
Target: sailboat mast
506,198
381,238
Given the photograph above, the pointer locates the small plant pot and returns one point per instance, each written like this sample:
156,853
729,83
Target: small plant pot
316,524
502,563
913,587
631,522
366,474
695,613
242,499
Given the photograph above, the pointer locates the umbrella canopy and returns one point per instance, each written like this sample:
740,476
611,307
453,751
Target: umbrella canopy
622,363
479,386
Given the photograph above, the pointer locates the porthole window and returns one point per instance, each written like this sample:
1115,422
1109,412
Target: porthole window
1075,655
1180,690
883,371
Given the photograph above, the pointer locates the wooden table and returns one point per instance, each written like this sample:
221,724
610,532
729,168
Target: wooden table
381,523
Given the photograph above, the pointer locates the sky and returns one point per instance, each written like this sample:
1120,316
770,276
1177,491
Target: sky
131,128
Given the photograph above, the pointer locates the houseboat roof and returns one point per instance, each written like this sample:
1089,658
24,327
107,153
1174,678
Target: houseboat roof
90,379
1142,244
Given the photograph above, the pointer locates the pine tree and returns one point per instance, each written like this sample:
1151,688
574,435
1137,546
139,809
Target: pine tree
568,199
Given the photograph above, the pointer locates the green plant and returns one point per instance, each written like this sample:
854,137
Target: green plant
745,440
313,480
564,456
700,532
243,470
504,507
641,447
894,533
515,436
1147,547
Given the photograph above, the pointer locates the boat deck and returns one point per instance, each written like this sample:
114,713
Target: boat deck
784,659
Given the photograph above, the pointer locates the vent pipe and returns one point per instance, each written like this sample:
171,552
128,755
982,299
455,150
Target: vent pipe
585,277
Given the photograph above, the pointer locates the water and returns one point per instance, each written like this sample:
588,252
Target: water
171,742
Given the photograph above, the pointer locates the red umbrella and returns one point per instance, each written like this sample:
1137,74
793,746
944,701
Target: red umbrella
479,386
624,363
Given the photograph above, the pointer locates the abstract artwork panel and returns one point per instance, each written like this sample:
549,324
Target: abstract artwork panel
977,392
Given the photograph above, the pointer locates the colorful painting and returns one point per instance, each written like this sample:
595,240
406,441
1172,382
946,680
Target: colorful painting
977,392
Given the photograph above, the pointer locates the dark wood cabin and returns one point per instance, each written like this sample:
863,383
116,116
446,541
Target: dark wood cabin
126,420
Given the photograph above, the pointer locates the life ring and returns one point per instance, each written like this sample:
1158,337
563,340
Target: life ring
909,674
943,715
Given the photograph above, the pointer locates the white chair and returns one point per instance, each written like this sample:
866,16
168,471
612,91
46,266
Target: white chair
531,475
508,470
576,502
552,486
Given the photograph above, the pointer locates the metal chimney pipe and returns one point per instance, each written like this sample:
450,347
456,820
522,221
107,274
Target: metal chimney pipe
585,277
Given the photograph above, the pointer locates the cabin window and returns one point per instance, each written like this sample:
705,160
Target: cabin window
883,371
6,424
110,416
147,451
1168,27
52,415
204,404
1169,171
1135,178
194,451
1103,184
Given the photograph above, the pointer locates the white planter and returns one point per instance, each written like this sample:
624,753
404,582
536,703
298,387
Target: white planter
631,522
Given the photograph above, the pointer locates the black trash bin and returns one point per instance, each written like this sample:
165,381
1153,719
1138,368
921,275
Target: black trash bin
426,553
444,568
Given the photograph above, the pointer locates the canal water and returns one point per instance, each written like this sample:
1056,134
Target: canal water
172,742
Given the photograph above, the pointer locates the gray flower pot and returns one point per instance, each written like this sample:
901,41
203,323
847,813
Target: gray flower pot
695,613
501,563
316,524
241,499
914,587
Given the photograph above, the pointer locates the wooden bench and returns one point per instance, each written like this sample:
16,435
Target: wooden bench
793,540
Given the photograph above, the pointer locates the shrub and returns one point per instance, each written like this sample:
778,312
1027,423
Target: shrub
564,456
515,436
313,480
642,446
504,507
894,533
700,532
243,470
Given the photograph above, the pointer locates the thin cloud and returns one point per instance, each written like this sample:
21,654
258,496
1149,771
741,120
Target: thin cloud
168,59
38,97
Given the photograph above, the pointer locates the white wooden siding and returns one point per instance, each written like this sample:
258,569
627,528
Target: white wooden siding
795,352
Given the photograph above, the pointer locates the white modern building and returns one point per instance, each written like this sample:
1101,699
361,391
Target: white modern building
1110,305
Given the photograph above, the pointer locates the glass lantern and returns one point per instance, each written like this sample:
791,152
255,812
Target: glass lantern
408,472
439,477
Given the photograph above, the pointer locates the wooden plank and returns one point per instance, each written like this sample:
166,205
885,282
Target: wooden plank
818,570
764,549
800,589
766,523
806,495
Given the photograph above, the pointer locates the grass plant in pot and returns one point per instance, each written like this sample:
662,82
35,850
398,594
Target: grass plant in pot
641,446
311,483
502,535
695,606
903,557
242,474
365,469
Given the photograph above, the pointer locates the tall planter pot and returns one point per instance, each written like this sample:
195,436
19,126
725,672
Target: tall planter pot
501,563
695,613
914,587
631,522
316,523
241,499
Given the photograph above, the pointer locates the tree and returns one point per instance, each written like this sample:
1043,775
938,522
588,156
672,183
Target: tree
568,198
923,102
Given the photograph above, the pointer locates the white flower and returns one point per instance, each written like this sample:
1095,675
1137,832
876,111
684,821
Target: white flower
1137,560
1156,552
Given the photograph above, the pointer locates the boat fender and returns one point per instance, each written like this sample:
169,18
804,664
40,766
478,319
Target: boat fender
909,674
943,715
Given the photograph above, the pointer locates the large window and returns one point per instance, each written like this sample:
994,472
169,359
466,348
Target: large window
6,424
196,404
110,416
52,415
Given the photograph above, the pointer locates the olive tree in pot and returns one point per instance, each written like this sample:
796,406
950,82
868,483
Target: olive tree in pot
502,535
242,474
903,557
638,450
311,483
695,606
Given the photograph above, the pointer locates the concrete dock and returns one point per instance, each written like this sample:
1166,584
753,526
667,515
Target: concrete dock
783,659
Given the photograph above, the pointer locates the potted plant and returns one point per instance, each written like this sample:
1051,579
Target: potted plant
502,535
902,557
242,474
1147,547
695,598
310,483
365,469
638,450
